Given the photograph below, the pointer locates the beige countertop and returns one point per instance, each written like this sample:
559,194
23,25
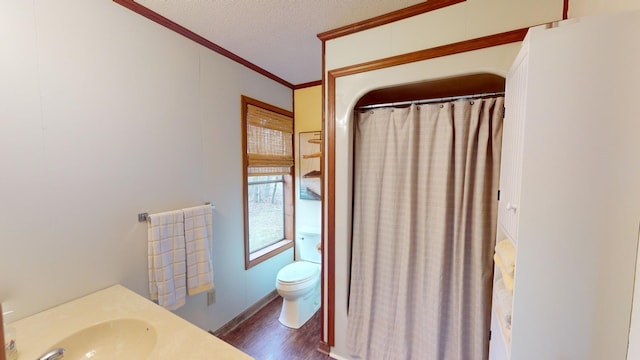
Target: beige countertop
176,337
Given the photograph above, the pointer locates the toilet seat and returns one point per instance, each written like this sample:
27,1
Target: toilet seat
297,272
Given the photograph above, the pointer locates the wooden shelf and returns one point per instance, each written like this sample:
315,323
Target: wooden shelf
312,155
313,174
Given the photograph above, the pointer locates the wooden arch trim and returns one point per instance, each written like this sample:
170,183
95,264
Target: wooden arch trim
330,130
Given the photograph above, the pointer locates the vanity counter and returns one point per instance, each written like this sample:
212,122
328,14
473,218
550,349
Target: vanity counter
176,337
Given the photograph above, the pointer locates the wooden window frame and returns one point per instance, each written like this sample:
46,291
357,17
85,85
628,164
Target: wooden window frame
255,258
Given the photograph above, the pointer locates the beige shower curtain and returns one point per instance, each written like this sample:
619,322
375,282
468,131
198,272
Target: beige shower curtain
424,219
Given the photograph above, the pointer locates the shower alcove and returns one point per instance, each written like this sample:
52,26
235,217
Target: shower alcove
461,74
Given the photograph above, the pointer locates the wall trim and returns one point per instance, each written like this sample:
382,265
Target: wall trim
330,83
387,18
171,25
255,258
434,52
308,84
324,348
243,316
324,318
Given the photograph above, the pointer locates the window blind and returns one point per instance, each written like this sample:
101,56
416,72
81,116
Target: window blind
269,142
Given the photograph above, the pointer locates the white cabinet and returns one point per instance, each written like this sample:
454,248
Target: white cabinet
510,182
511,163
576,190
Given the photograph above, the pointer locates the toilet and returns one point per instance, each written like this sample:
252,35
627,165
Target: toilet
299,282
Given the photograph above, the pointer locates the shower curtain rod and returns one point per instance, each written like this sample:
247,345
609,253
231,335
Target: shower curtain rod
429,101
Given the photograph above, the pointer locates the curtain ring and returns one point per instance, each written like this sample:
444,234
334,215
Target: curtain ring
472,102
441,106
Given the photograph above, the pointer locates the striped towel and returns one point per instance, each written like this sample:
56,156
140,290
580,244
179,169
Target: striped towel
166,259
198,232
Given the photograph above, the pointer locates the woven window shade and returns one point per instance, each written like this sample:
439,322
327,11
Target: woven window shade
269,142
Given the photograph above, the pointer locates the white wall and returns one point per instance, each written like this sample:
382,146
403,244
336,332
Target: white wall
578,8
466,20
105,114
471,19
308,117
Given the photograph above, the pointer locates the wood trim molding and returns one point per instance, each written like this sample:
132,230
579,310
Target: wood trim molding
387,18
324,348
330,192
308,84
171,25
426,54
330,83
251,310
565,10
288,188
329,323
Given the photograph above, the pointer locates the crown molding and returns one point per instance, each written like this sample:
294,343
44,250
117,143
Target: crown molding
171,25
401,14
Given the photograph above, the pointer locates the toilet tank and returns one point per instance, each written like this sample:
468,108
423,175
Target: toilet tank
307,243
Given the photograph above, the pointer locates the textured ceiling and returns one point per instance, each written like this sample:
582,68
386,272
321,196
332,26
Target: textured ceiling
276,35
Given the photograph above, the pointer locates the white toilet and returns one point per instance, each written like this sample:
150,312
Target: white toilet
299,282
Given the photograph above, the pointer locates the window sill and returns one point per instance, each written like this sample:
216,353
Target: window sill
267,253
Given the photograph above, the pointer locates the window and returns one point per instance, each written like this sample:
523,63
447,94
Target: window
266,211
267,145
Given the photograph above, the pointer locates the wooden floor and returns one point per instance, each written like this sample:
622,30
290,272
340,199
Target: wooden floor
263,337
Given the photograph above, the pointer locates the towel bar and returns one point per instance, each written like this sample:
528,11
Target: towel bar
143,217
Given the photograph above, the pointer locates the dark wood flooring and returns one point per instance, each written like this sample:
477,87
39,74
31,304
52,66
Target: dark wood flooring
263,337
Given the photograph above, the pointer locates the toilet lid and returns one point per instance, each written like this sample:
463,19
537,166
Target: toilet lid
297,271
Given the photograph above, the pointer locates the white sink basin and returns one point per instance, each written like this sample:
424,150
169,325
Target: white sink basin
116,323
115,339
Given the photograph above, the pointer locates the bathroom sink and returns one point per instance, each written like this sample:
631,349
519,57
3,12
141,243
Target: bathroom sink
114,339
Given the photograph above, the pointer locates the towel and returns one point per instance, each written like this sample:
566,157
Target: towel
198,233
507,254
166,259
506,277
504,300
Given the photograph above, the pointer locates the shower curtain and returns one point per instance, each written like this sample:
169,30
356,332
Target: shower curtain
424,219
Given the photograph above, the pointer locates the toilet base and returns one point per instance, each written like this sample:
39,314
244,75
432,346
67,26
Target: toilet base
296,313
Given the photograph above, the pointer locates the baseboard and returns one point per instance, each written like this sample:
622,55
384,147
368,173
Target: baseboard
324,348
251,310
334,356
